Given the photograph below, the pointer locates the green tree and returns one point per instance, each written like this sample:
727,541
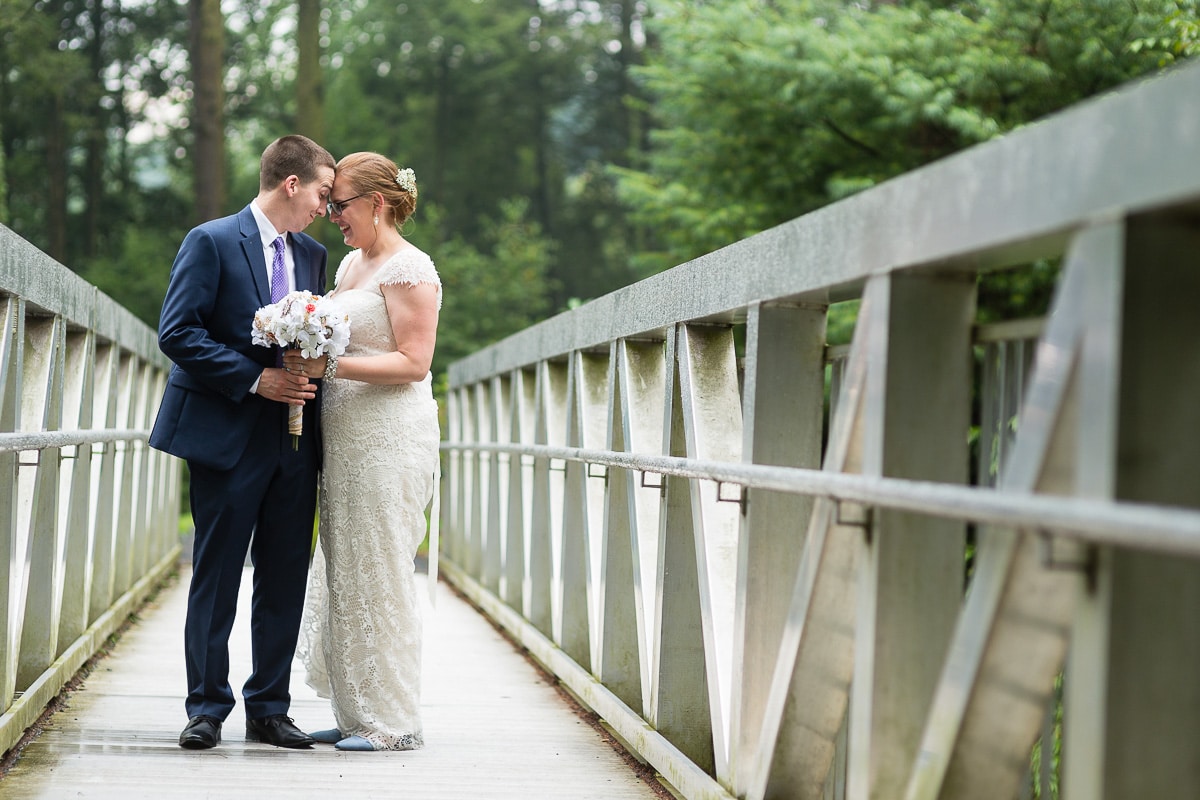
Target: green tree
76,82
768,110
38,82
511,104
603,123
3,183
207,51
1178,38
310,87
448,88
489,102
492,289
137,274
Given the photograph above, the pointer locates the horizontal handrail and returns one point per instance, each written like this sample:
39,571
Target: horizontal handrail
1124,524
17,442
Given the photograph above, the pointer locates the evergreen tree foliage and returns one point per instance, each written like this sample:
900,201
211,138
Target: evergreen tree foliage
564,148
493,288
1177,38
769,109
485,102
118,72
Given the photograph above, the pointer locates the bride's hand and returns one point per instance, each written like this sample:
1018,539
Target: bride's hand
296,364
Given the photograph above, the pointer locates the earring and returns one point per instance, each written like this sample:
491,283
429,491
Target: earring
376,220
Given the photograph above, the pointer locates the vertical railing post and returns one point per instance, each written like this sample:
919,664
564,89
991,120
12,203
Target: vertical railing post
478,416
75,511
1131,727
642,373
473,493
630,527
783,412
12,549
104,484
679,691
38,484
141,418
712,426
128,390
499,416
520,492
454,494
582,518
910,583
545,544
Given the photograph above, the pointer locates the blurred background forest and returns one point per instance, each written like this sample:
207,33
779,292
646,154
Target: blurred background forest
563,148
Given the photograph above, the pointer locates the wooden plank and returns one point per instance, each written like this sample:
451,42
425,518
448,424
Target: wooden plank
494,727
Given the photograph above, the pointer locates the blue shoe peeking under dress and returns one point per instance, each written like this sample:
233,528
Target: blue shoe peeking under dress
331,736
354,743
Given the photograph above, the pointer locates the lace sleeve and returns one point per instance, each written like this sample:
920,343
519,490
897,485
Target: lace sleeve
412,267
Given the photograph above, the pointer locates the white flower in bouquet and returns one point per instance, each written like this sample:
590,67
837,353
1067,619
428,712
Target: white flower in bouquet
305,322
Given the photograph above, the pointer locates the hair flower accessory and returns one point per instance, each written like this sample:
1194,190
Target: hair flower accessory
406,179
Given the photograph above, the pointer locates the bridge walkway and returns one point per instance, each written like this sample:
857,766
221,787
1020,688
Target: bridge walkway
496,726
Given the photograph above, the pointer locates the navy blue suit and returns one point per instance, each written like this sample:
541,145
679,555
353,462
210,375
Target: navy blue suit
245,476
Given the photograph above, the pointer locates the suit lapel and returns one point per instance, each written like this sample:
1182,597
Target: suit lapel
300,260
305,279
256,263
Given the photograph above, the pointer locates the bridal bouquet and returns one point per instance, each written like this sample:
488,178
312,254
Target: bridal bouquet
308,323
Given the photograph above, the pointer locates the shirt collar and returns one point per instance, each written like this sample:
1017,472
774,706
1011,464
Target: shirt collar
265,229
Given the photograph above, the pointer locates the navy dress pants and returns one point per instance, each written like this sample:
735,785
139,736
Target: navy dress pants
265,503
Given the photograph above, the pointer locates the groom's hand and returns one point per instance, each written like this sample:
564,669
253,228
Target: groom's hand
285,387
297,364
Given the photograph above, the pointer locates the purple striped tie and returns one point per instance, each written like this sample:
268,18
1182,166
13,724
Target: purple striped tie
279,284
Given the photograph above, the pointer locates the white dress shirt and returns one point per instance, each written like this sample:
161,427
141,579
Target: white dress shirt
267,231
268,234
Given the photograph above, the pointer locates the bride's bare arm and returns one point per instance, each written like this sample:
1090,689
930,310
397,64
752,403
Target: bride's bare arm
413,312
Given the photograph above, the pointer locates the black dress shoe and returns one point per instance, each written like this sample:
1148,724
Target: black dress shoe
277,730
201,733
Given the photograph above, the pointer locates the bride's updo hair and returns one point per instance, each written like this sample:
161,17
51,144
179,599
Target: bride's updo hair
371,172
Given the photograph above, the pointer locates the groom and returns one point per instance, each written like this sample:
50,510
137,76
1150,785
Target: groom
224,411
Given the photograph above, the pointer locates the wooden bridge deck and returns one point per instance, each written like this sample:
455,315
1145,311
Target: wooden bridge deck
495,727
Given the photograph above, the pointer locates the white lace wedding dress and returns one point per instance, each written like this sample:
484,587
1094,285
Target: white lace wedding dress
360,639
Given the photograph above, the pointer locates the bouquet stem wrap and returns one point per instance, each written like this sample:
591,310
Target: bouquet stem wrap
295,424
307,322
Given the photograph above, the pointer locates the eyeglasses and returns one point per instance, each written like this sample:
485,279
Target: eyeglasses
338,206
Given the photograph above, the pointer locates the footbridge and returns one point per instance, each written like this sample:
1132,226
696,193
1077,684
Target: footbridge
954,553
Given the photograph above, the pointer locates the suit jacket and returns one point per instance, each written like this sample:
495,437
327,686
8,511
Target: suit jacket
218,281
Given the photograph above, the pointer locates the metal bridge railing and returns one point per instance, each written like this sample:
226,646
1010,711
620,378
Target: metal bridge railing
88,513
747,549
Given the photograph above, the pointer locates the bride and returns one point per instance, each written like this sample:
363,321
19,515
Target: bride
360,639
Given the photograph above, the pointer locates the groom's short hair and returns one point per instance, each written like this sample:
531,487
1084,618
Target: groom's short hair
292,155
